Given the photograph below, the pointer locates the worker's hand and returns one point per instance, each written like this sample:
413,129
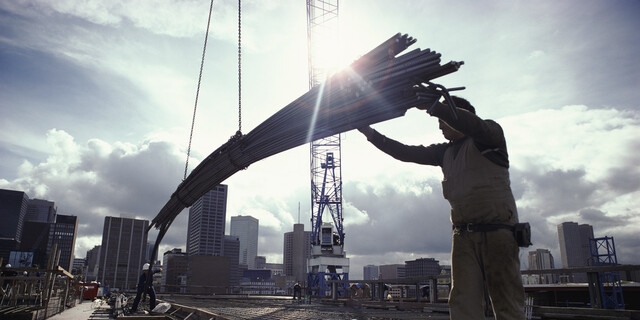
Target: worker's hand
367,131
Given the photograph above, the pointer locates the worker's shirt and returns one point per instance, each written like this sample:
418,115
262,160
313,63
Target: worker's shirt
476,176
142,280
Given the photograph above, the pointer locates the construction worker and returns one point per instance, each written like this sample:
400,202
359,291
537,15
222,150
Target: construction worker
483,210
297,291
6,284
142,283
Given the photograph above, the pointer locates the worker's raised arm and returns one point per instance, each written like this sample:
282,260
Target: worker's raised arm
431,155
487,132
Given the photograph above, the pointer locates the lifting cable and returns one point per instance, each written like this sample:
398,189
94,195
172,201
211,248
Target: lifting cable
204,50
195,107
239,69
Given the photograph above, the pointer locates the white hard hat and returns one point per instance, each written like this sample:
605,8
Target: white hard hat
145,266
8,266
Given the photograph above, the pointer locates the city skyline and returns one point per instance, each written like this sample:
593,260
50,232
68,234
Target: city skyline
573,237
97,110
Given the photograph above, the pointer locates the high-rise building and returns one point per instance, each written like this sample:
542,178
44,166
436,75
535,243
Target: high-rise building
38,230
149,252
36,239
174,272
206,223
260,262
39,210
13,209
574,243
64,236
392,271
370,272
93,261
231,250
422,267
296,252
122,252
246,229
541,259
574,246
79,266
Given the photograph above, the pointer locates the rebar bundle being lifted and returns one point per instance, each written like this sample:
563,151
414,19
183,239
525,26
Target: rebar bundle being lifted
377,87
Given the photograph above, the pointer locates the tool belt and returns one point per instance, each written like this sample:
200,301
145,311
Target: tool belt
521,231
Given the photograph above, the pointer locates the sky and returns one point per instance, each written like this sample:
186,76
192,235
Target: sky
97,99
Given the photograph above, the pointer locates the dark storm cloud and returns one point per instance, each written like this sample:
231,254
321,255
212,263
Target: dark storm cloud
97,179
556,190
600,219
399,220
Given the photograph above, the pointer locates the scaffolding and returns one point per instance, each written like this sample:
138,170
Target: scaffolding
603,253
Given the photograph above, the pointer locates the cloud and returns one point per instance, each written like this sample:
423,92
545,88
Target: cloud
98,179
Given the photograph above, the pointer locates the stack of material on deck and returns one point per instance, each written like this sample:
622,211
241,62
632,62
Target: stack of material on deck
377,87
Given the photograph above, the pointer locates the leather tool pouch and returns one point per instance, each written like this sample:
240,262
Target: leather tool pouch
522,232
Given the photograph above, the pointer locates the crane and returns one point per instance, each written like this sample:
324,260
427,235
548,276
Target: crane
328,259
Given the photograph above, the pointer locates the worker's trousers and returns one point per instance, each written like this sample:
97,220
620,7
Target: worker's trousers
491,258
151,292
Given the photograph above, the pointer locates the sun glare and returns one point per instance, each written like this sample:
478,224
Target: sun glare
328,53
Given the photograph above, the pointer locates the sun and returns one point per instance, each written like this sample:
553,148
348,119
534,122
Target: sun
327,52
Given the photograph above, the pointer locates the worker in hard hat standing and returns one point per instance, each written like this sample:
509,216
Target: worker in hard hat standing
476,182
142,282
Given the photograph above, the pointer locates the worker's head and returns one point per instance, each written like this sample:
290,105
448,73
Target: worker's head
145,267
447,131
7,266
462,103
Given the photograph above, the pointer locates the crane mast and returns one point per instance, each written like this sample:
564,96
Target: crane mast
328,259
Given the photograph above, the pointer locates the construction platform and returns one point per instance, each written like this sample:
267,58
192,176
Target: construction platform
228,307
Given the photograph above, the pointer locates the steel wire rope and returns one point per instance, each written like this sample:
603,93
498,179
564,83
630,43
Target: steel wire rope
167,223
239,67
195,106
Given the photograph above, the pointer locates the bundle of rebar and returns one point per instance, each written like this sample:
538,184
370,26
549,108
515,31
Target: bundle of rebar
379,86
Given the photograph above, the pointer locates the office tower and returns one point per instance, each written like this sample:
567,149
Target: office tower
39,210
541,259
574,246
38,229
260,262
246,229
122,252
64,235
174,271
392,271
370,272
93,261
13,209
231,250
296,252
79,266
206,223
422,267
36,238
149,252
